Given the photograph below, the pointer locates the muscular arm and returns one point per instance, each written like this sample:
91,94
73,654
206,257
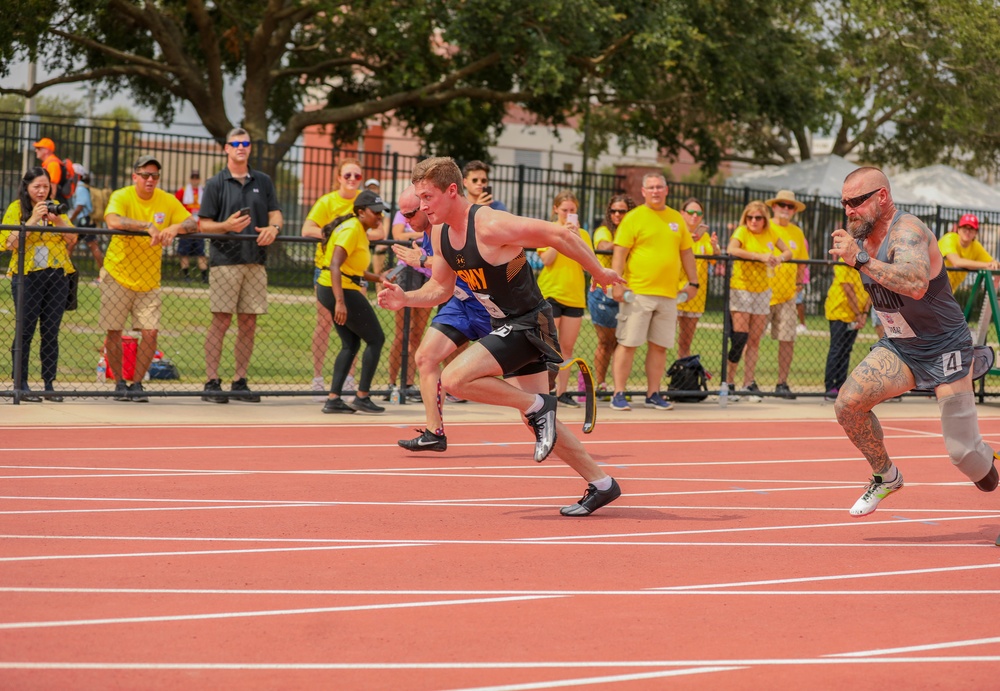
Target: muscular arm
499,228
911,262
441,285
116,222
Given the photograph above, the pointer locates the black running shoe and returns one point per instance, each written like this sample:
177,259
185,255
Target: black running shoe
784,391
543,422
427,441
121,391
989,483
592,500
413,394
567,399
213,392
366,406
243,393
337,405
136,394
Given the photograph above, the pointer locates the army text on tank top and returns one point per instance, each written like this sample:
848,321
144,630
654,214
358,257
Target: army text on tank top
506,291
922,328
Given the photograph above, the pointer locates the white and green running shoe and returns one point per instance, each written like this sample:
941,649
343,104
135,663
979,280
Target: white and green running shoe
877,490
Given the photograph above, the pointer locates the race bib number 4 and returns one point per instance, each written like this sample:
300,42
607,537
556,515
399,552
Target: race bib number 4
894,324
951,362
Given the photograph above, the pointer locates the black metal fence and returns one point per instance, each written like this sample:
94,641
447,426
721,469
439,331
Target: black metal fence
285,356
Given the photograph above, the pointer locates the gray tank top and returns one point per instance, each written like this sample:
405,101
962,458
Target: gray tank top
922,328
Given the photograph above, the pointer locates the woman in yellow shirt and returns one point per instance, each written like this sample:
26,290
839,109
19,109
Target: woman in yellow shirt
603,309
689,312
340,290
44,282
749,290
563,285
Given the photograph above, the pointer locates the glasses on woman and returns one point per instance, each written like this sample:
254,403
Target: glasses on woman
694,212
618,211
352,176
756,218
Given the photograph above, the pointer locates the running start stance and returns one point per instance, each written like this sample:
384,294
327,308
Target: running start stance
927,343
486,248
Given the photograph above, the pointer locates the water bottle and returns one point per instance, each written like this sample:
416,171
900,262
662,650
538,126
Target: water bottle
394,394
102,371
682,297
629,296
723,395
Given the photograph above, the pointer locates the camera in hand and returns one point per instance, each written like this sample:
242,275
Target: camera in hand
57,208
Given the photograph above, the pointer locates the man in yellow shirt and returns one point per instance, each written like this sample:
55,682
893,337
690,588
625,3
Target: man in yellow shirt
130,279
786,284
652,246
846,309
962,250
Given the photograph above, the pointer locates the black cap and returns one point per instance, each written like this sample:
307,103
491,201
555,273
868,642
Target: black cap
196,173
369,200
145,160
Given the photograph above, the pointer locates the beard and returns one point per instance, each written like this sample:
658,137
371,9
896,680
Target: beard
861,226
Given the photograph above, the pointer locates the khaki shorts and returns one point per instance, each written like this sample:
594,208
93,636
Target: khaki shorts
118,302
749,301
650,318
238,289
784,320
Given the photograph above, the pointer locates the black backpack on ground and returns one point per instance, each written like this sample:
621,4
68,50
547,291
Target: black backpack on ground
687,374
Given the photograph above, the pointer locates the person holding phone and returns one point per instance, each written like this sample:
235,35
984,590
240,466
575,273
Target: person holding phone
564,286
238,201
476,180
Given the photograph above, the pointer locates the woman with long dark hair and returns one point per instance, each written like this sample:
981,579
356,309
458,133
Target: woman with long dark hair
46,265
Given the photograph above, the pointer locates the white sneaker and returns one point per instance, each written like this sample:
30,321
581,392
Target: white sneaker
876,492
801,329
318,385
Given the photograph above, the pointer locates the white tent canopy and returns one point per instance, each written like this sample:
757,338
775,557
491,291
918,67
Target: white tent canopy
942,185
823,175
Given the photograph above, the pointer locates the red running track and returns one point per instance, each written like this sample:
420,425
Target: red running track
304,557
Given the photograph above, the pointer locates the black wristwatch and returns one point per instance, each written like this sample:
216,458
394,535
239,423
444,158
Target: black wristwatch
423,261
696,285
861,259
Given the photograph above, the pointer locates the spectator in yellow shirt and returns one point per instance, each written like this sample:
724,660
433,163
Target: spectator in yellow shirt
130,279
847,310
962,250
705,243
564,286
46,264
787,284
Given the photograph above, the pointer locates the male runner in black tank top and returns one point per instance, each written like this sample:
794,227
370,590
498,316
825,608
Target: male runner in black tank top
927,341
487,247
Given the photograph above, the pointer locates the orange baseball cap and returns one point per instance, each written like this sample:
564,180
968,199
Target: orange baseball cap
45,143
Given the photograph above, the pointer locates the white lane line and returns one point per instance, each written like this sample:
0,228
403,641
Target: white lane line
657,592
264,613
504,664
513,442
587,681
837,577
920,648
202,552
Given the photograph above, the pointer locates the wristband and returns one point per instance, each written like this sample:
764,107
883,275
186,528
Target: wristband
276,227
696,285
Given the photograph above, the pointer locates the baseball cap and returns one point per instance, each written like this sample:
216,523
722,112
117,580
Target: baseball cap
145,160
370,200
195,173
45,143
372,181
969,220
79,169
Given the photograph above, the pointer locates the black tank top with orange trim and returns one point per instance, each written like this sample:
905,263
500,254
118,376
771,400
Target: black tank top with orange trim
506,291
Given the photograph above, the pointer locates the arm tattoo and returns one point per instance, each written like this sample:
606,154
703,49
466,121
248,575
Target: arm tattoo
190,225
133,225
908,270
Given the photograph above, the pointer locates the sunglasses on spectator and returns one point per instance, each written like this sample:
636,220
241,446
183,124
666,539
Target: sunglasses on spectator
756,218
618,211
240,144
147,176
409,214
352,176
784,205
695,213
855,202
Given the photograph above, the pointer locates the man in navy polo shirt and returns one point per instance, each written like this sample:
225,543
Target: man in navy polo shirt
240,201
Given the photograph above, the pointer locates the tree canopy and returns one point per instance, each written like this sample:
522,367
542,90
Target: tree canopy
894,80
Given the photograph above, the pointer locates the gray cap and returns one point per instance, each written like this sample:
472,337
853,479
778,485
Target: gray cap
145,160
